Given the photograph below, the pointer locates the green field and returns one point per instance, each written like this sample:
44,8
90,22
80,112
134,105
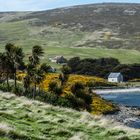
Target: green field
124,56
57,41
23,119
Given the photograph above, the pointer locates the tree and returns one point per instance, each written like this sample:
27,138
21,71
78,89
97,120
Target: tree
98,67
5,67
26,83
36,75
14,57
63,77
37,52
35,71
73,63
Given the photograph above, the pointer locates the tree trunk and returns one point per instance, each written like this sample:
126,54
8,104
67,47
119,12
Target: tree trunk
34,93
15,79
7,80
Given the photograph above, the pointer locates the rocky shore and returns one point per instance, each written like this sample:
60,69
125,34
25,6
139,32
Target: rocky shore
127,115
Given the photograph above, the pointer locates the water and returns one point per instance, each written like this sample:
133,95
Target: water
126,99
131,100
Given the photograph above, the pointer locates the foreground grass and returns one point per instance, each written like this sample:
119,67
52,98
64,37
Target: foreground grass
23,119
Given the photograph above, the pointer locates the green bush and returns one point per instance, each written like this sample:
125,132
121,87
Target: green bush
64,102
54,88
79,90
5,88
76,103
18,90
76,87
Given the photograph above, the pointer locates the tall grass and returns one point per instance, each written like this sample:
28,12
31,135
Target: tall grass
24,119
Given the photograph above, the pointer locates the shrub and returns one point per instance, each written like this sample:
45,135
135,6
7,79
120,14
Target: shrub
82,94
5,88
77,87
90,84
18,90
54,88
58,91
76,103
80,91
64,102
49,98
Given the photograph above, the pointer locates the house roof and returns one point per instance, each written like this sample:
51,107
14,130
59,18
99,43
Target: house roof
114,75
58,57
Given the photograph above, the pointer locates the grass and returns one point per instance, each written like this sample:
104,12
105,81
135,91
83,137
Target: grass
25,119
57,41
134,56
50,52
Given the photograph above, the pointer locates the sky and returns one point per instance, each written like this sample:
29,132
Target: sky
38,5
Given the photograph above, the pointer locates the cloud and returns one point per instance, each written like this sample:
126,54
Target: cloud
23,5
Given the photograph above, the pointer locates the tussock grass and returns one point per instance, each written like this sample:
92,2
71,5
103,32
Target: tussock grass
24,119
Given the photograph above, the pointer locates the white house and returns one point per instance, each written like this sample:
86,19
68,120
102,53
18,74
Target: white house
58,59
115,78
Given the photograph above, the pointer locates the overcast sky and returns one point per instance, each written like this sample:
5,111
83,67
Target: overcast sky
35,5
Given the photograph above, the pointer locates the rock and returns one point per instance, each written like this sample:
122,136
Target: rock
128,116
137,113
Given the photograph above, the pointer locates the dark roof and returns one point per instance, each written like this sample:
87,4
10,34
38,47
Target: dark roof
114,75
58,57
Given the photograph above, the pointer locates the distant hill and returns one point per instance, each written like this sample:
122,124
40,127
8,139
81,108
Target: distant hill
107,25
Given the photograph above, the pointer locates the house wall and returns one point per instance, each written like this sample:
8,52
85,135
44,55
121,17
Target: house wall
54,61
113,80
120,78
116,80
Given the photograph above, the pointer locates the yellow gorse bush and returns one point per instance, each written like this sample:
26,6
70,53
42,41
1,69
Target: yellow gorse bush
49,78
20,75
84,79
98,105
73,78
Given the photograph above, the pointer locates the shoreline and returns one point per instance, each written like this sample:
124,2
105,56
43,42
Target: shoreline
127,116
108,91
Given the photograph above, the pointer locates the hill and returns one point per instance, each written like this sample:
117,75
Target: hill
25,119
95,27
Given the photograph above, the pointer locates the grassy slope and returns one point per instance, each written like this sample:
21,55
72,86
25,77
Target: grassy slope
56,41
22,119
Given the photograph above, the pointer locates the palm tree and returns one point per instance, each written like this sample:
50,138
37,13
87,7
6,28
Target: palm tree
63,77
38,75
15,57
37,52
5,66
35,72
26,83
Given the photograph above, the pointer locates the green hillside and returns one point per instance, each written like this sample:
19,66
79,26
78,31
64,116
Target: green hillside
98,30
23,119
